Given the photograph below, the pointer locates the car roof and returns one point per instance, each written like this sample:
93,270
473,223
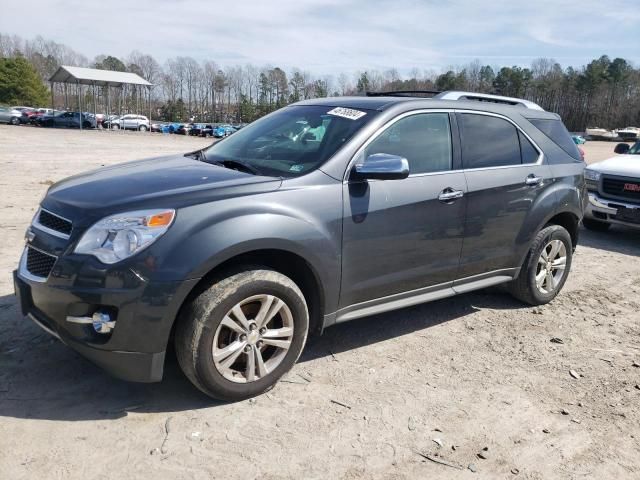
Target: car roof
382,103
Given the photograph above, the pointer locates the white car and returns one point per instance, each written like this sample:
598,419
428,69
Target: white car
129,122
614,190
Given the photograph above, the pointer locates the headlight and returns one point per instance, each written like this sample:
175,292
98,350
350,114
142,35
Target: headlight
592,175
120,236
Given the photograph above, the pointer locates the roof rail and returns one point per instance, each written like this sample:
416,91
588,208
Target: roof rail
484,97
403,93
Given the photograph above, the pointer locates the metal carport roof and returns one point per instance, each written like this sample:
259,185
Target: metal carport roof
93,76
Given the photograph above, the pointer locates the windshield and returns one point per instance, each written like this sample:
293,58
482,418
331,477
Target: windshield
290,142
635,149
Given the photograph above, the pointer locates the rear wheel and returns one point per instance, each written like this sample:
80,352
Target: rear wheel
115,126
591,224
142,128
546,267
14,121
86,124
238,337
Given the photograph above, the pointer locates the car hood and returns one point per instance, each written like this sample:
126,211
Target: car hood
623,165
165,182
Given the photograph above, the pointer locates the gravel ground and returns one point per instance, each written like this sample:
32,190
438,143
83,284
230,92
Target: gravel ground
468,387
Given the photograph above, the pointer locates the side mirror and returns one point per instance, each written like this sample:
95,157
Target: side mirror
621,148
382,166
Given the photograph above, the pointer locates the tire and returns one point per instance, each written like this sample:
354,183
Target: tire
595,225
14,121
86,125
115,126
526,288
142,128
200,330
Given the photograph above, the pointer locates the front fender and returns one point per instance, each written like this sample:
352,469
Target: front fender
209,242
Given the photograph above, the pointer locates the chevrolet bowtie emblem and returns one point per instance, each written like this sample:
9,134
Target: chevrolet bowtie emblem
29,235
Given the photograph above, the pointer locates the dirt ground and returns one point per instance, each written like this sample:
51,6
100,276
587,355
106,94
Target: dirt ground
416,393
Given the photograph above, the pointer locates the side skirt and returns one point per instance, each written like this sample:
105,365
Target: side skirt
422,295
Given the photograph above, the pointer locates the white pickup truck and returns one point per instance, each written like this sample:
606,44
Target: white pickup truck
614,190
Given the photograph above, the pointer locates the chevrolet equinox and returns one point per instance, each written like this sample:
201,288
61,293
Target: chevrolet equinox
324,211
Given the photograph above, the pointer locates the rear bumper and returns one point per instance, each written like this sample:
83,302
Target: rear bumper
135,350
605,210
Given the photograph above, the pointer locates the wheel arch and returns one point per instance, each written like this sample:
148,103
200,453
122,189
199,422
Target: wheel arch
283,261
570,222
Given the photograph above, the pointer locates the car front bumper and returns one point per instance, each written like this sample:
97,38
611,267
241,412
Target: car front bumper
606,210
144,314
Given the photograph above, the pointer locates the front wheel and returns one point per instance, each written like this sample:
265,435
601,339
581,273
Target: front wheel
142,128
238,337
14,121
546,267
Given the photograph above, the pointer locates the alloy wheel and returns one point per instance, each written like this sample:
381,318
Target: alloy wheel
253,338
551,266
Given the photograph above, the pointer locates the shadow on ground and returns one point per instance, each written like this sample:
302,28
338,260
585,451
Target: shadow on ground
40,378
618,239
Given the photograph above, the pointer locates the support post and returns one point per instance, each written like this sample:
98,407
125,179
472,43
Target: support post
53,101
79,106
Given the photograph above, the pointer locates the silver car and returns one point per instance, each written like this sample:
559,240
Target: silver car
129,122
9,115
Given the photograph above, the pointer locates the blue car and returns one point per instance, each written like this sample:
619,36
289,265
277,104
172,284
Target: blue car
223,131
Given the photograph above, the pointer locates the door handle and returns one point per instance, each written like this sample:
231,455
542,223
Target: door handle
449,194
533,180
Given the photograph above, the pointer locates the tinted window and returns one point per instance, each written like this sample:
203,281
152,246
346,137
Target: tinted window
556,131
423,139
528,151
488,141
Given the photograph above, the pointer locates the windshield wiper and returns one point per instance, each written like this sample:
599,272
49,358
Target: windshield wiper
237,165
198,155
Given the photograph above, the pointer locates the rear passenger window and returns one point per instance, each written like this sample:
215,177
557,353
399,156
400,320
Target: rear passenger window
488,141
424,139
528,151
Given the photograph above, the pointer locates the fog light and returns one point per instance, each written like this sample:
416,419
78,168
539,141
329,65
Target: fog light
102,322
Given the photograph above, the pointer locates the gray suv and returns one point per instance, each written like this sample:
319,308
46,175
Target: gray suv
322,212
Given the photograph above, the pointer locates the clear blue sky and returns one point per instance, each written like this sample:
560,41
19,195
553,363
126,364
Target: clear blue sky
330,36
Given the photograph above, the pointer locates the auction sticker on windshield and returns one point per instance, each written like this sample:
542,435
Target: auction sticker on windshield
349,113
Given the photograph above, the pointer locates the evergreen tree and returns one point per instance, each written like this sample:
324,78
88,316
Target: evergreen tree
20,83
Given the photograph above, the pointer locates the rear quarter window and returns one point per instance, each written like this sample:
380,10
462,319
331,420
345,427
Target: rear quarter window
558,134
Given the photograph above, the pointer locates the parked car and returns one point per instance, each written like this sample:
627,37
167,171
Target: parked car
239,251
223,131
128,122
207,131
614,190
197,129
10,115
183,129
68,120
39,113
578,140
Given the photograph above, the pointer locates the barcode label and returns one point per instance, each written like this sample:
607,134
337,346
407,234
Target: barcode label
349,113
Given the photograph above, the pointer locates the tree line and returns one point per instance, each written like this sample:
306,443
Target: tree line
605,92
